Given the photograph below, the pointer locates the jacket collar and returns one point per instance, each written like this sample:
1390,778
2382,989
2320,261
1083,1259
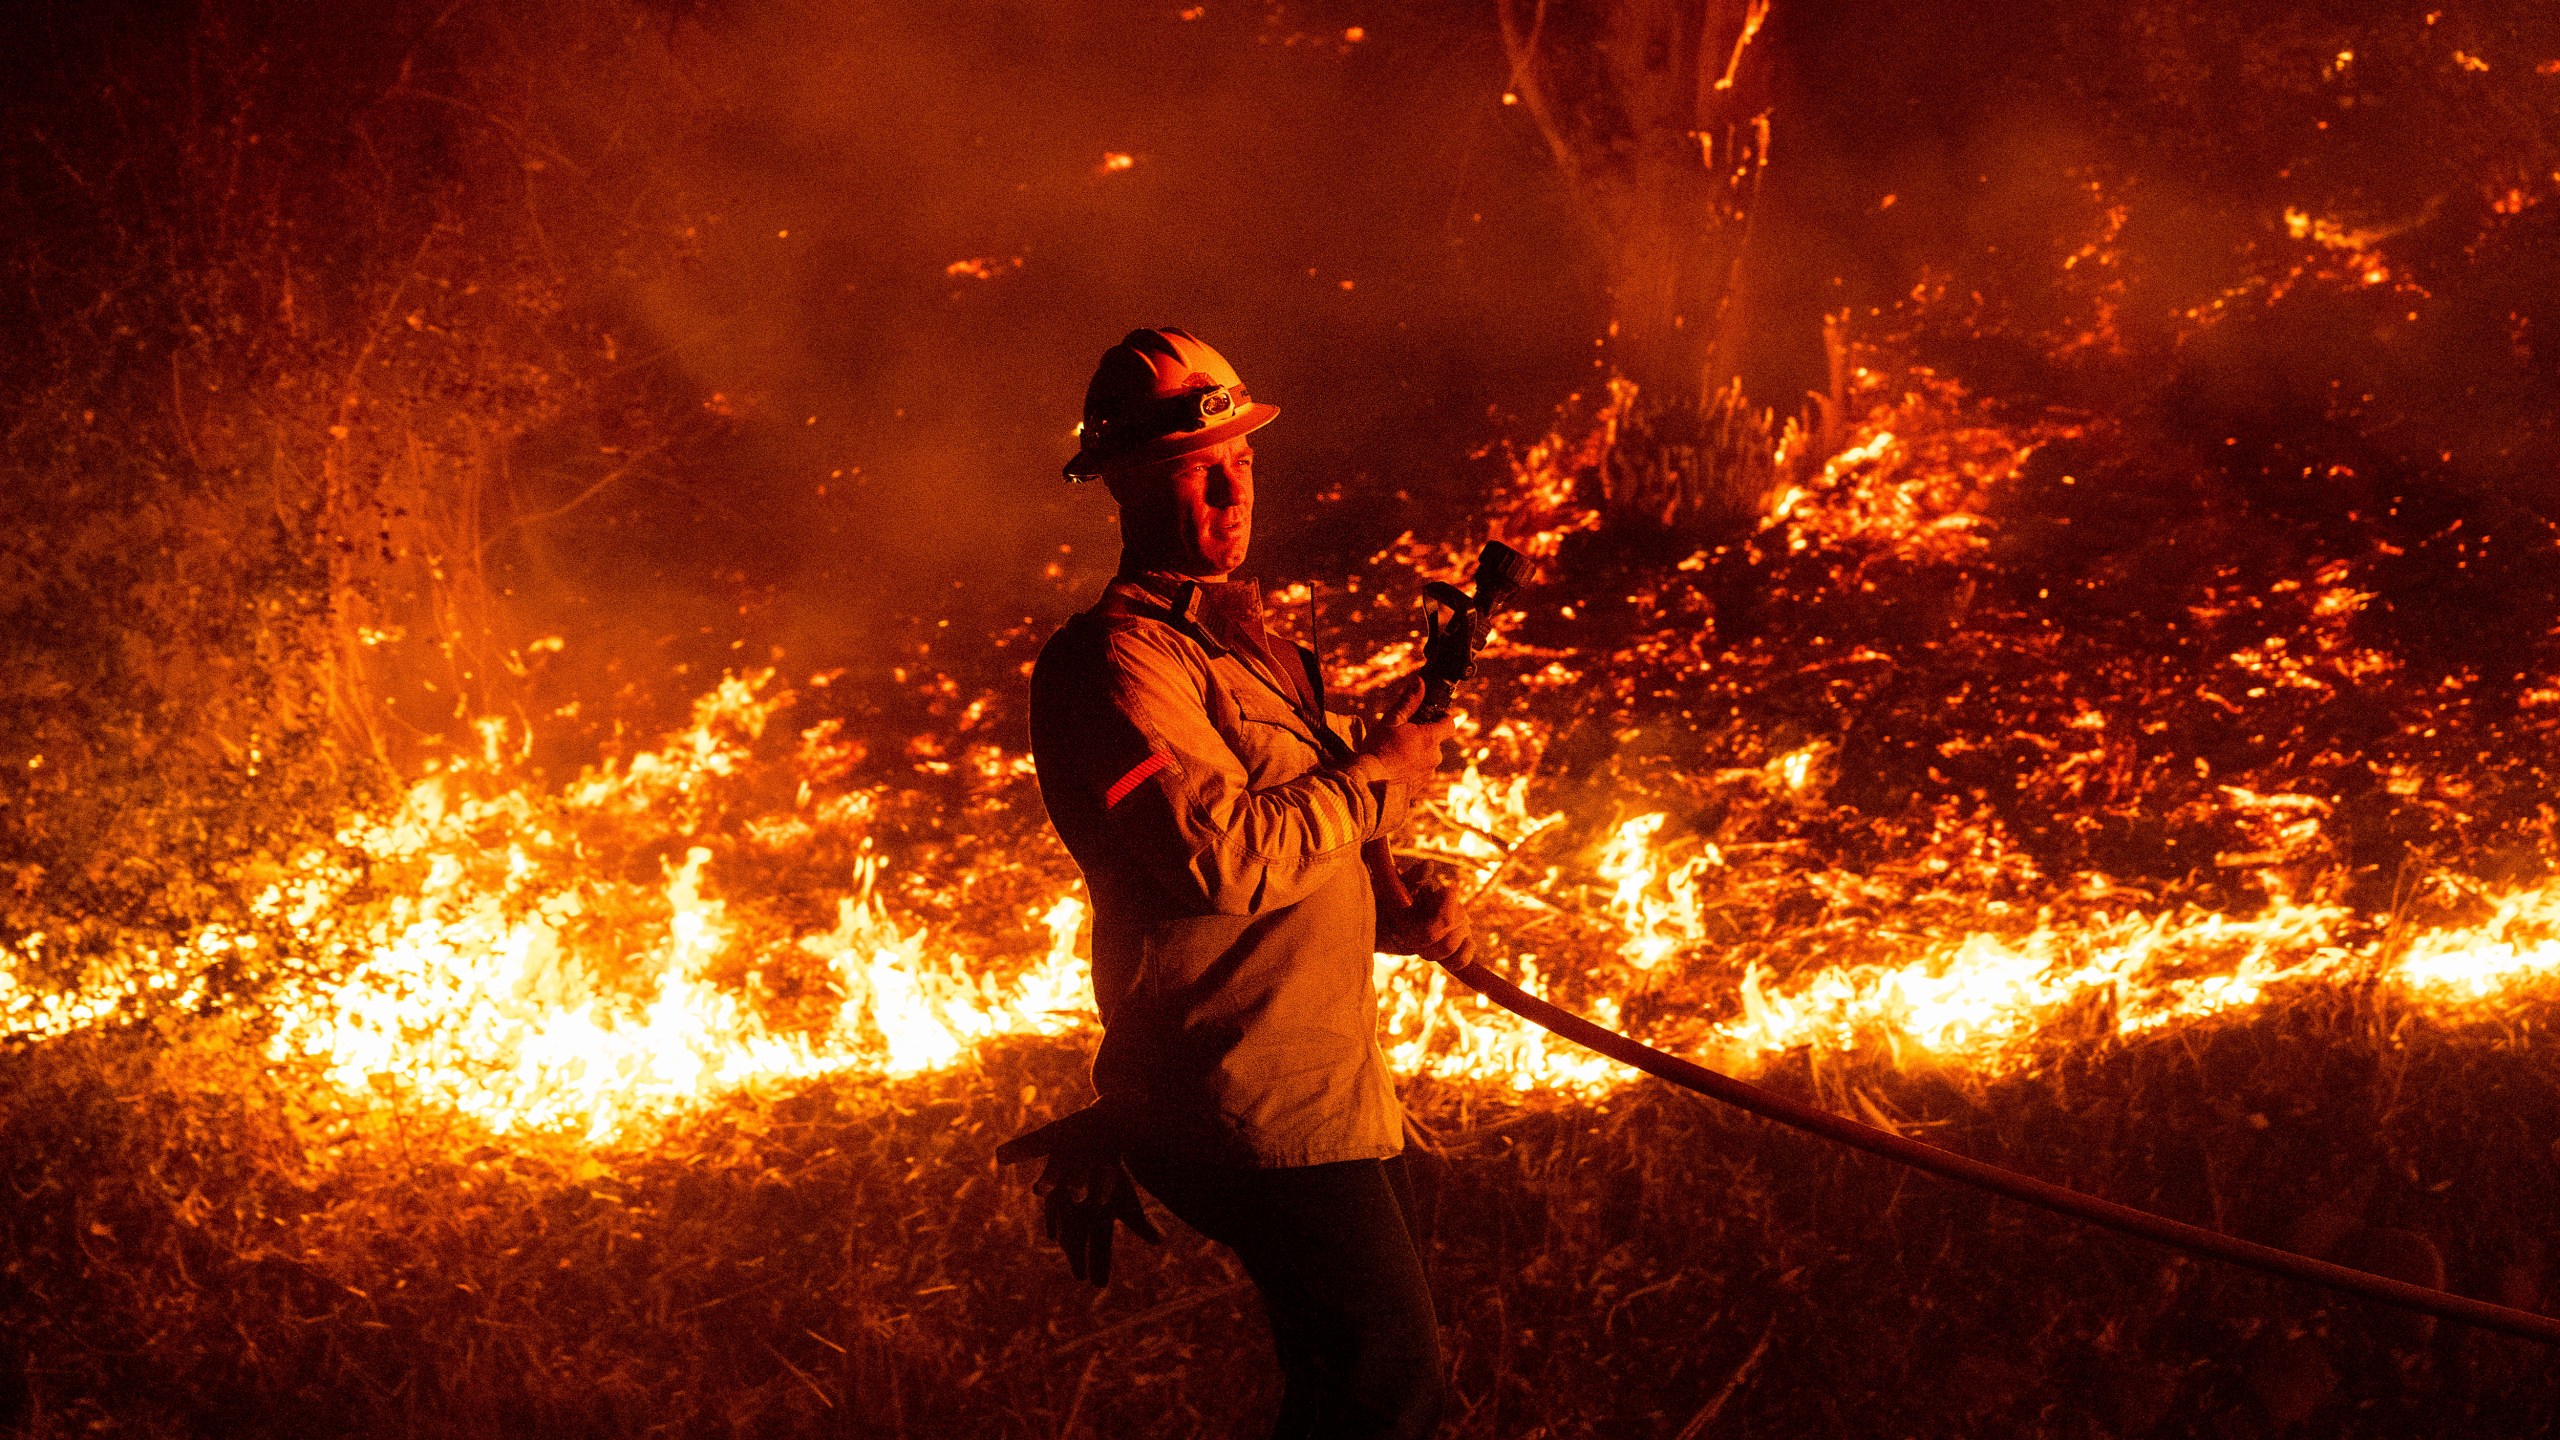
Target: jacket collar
1225,613
1178,595
1225,616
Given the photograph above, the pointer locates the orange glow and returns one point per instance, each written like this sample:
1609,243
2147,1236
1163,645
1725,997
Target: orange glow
718,914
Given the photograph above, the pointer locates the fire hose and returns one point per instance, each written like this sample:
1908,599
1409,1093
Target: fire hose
1982,1175
1449,657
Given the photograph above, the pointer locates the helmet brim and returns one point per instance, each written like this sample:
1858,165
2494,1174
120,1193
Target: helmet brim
1089,465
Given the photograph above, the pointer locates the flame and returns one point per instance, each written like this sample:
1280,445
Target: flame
721,912
475,991
2518,945
1658,911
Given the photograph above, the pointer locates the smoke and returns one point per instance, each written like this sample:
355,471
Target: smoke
901,236
690,332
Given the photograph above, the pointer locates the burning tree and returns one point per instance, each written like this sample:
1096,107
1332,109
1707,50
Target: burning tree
1657,112
1660,115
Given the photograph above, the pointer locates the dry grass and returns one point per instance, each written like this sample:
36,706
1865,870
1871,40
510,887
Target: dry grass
847,1261
187,1250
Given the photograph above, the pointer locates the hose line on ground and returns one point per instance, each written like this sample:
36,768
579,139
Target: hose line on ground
1964,1170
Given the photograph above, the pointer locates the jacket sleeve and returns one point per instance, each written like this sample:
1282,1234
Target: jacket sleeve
1192,823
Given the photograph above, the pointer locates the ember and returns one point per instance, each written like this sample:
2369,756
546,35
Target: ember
524,895
490,968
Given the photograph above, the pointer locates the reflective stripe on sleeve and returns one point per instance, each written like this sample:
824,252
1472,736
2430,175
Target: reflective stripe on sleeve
1137,776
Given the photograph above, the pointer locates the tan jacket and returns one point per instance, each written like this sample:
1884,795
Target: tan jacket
1219,827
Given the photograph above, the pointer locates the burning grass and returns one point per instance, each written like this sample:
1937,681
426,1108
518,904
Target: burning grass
846,1259
1992,787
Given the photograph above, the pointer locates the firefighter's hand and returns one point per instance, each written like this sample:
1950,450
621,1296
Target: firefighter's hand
1434,926
1085,1191
1410,752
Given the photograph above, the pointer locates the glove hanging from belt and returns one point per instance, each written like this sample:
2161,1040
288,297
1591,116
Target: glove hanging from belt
1085,1190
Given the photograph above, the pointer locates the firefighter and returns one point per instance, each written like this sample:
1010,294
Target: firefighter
1218,810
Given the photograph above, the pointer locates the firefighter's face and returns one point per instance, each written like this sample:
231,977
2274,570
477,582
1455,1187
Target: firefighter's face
1192,514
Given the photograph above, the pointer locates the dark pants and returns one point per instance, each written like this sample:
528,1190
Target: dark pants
1331,1248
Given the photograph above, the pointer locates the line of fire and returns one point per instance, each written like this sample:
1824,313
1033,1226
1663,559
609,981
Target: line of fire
572,769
